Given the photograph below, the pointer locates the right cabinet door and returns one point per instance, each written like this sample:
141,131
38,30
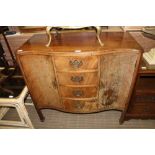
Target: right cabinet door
117,73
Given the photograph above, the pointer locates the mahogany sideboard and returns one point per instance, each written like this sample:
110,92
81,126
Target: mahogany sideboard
75,74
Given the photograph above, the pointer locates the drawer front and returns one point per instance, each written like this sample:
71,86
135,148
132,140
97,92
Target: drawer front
78,92
146,83
142,108
80,106
75,63
78,78
145,98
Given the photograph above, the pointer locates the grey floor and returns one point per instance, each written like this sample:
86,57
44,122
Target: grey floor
60,120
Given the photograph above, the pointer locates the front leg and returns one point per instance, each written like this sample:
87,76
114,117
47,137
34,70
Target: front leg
48,31
41,116
98,32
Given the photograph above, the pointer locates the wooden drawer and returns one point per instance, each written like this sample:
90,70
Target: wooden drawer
146,83
76,62
142,108
78,92
80,106
78,78
142,104
144,98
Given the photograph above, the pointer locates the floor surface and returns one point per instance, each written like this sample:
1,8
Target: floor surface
60,120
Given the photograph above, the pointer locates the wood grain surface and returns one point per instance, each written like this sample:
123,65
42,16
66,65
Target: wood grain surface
42,86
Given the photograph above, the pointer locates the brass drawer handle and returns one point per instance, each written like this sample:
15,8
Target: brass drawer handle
77,78
79,105
76,63
78,93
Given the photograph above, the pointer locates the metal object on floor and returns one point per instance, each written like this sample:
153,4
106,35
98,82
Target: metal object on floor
18,104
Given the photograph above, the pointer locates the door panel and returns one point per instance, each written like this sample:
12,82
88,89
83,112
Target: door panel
40,77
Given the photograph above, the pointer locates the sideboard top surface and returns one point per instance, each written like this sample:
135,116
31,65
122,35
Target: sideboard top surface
84,41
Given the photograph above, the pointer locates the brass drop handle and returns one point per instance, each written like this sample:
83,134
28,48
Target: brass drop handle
76,63
79,105
78,93
77,78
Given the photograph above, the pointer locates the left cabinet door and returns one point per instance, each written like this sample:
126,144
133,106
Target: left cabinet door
38,71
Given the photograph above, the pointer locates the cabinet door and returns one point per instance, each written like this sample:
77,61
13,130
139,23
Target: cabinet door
118,72
40,78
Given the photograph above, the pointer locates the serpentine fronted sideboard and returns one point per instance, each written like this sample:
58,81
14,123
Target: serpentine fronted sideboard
75,74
